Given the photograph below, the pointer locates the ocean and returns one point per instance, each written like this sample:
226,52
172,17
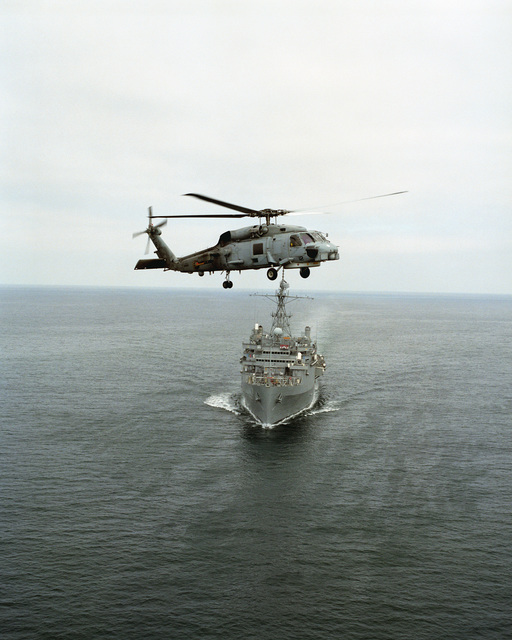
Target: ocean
139,501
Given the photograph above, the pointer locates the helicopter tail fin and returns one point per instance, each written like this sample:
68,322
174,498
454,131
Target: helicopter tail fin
166,258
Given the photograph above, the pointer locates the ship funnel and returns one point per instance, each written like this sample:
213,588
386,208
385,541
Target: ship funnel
307,331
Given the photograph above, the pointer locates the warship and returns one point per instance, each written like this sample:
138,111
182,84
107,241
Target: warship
279,372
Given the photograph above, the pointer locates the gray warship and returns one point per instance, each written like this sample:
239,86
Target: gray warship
279,372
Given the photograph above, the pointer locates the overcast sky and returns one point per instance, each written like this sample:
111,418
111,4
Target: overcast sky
108,107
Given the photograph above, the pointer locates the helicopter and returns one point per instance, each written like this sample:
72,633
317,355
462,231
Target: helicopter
263,245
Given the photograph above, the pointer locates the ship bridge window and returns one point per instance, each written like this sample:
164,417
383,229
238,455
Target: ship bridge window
306,238
257,249
295,241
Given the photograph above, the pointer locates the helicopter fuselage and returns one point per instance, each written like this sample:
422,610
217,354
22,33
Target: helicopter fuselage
256,247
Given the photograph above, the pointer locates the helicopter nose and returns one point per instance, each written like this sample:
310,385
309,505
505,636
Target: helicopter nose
329,252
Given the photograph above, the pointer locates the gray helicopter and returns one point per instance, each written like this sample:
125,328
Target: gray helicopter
261,246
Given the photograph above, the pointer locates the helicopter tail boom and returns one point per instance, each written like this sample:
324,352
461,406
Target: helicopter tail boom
162,250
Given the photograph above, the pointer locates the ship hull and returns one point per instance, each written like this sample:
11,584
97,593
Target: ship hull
271,405
279,371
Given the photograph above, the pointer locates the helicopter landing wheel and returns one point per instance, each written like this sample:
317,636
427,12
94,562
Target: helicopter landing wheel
227,284
272,273
304,272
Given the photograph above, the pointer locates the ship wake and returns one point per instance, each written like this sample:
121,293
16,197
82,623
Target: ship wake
323,406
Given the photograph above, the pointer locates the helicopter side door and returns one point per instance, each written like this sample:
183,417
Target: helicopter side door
258,249
247,254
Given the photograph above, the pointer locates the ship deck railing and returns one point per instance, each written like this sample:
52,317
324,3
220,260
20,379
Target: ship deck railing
273,381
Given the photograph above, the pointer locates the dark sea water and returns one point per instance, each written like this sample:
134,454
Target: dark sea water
139,501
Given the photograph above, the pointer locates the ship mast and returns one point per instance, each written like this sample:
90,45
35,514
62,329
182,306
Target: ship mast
280,318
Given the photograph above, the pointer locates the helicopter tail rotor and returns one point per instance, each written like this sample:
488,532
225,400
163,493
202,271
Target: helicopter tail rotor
151,227
160,224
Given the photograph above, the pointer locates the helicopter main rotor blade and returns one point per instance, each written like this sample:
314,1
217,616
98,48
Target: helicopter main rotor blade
263,213
206,215
221,203
338,204
307,212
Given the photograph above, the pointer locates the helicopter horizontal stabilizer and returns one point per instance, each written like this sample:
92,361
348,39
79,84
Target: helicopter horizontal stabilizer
151,263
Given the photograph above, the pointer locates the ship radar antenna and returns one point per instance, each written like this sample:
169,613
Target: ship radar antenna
280,317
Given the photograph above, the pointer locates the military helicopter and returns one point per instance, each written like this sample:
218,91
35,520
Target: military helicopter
263,245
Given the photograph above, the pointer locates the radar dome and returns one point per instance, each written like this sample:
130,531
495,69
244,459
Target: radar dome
278,331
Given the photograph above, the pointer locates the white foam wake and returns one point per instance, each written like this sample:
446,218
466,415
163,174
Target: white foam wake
328,407
226,401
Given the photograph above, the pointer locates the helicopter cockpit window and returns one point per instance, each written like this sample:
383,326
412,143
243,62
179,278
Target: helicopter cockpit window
306,238
295,241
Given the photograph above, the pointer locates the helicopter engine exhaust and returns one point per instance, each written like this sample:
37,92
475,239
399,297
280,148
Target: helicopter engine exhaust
243,234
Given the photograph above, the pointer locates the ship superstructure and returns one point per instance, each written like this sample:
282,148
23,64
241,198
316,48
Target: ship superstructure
279,372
